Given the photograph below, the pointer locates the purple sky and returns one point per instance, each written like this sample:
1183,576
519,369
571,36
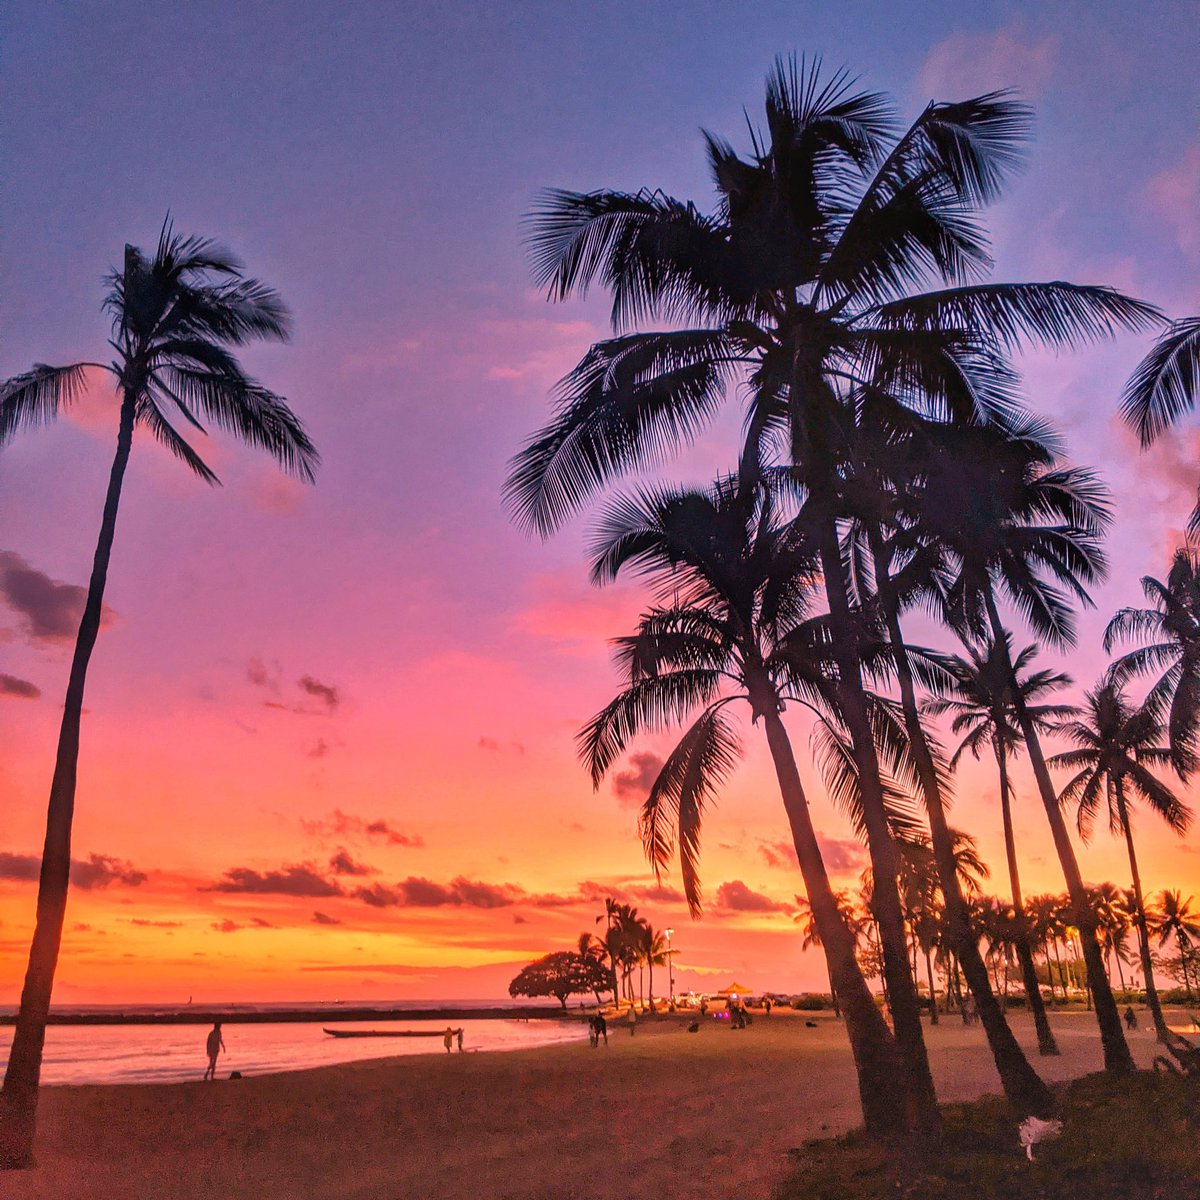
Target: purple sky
373,162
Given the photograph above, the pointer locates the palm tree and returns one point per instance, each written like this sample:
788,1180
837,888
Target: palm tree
737,579
1116,747
810,934
1171,633
591,947
1165,386
654,954
804,285
980,700
175,315
1174,917
906,567
1018,520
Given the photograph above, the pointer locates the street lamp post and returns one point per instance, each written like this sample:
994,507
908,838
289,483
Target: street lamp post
670,967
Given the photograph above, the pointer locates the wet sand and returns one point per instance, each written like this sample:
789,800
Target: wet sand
662,1114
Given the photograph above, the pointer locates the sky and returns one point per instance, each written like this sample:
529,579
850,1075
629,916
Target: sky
328,746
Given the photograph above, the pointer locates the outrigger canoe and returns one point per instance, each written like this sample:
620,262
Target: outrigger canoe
348,1033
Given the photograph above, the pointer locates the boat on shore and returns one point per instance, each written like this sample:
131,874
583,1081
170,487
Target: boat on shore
361,1033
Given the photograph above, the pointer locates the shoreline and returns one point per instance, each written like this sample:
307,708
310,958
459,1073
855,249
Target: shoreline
234,1016
707,1115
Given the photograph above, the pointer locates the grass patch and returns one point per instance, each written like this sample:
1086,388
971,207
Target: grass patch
1136,1138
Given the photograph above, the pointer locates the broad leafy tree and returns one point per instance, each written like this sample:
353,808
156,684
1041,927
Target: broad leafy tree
562,974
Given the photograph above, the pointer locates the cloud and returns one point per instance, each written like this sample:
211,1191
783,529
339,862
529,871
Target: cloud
779,855
227,926
632,785
966,64
842,854
320,750
146,921
341,824
326,693
262,923
1174,195
494,746
343,864
21,689
735,896
94,873
297,879
520,920
320,918
416,892
51,609
262,676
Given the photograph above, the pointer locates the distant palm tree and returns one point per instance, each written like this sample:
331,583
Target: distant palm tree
810,933
1174,918
1116,747
654,954
1171,633
1165,386
592,948
980,698
175,315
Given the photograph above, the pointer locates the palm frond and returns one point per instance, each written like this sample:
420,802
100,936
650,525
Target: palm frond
1166,382
34,398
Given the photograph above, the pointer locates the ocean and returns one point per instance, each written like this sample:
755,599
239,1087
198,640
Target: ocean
77,1054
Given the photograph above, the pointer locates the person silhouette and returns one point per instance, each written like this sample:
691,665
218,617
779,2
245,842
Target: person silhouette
448,1039
1130,1018
459,1035
214,1046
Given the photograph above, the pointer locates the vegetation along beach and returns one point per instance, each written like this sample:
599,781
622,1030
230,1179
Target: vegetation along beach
600,603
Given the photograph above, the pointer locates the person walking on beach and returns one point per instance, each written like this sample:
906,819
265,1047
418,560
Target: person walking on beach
459,1034
448,1039
1130,1018
214,1046
601,1029
632,1019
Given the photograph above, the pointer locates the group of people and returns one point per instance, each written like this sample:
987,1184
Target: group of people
597,1029
449,1037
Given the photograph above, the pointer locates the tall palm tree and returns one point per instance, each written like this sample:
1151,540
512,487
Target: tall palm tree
1116,747
175,315
1020,522
737,580
1170,630
1173,918
654,954
804,284
906,567
980,701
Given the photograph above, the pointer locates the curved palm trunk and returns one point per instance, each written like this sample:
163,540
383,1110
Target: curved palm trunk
1022,1085
1033,991
1116,1049
19,1096
1156,1014
901,987
881,1082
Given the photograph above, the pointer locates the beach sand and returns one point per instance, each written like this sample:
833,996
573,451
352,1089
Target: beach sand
661,1114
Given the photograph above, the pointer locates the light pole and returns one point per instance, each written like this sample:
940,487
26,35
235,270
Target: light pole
670,966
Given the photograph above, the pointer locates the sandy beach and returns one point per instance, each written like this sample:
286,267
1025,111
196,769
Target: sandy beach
661,1114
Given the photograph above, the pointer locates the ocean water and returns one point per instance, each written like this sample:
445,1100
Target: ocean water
170,1053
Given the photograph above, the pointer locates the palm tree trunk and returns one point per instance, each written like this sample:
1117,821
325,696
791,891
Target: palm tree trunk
1022,1085
1116,1050
901,988
833,996
933,1012
1033,991
881,1083
19,1096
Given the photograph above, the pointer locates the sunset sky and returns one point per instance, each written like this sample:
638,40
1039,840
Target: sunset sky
328,743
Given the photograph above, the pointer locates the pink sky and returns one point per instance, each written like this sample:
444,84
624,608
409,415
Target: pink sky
382,665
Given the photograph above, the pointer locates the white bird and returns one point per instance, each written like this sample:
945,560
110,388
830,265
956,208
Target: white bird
1034,1130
